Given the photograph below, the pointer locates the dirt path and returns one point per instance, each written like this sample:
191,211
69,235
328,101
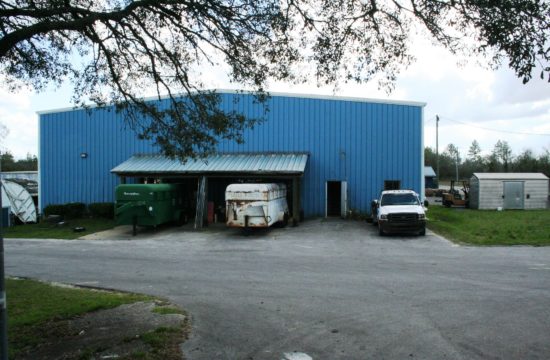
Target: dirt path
126,332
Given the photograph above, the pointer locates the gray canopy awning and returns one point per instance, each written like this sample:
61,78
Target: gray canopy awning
219,164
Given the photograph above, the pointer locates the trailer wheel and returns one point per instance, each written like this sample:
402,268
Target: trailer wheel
283,223
182,219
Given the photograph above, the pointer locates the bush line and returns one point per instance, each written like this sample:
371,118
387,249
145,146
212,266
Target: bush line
77,210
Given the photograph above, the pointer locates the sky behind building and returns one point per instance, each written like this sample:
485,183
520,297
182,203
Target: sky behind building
473,102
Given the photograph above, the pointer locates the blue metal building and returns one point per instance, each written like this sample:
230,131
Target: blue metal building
354,148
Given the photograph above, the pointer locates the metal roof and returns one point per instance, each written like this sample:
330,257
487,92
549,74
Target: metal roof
271,93
247,163
429,171
511,176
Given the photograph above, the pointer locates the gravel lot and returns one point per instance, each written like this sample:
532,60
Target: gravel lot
324,290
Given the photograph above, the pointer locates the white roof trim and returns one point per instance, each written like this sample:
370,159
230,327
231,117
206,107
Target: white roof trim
328,97
272,93
510,176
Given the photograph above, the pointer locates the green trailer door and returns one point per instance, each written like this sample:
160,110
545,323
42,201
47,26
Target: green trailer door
148,204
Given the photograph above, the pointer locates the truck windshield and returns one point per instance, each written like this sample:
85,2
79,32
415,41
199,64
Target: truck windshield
399,199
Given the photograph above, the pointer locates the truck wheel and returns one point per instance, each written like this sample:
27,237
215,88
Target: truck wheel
422,232
380,231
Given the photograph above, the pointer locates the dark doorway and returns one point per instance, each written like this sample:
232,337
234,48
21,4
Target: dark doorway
392,185
334,198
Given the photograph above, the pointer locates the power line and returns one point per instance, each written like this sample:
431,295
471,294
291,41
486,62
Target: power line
496,130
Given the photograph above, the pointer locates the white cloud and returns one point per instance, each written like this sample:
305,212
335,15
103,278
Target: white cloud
23,133
19,99
17,116
510,90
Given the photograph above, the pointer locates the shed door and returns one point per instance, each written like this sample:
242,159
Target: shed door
513,194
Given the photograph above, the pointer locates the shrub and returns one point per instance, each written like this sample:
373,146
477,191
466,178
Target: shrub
75,210
102,210
68,211
54,209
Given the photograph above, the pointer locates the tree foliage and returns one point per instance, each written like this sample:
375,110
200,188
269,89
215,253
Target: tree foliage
503,152
474,152
526,161
116,51
8,163
453,152
501,159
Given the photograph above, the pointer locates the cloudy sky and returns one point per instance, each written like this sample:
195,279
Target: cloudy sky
473,102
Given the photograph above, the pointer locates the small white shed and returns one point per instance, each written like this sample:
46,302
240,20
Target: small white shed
509,191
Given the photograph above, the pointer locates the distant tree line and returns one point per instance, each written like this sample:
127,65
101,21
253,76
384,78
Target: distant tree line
8,163
501,159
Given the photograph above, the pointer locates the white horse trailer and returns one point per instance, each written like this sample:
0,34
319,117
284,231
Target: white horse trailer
256,205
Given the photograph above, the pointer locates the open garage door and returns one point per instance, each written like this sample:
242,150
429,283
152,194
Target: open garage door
266,167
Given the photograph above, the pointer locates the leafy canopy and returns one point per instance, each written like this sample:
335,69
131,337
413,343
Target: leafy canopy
115,51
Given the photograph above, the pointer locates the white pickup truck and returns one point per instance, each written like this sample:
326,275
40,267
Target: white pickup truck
399,211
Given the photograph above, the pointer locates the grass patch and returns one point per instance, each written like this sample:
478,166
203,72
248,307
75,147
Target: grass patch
32,305
165,310
164,343
487,227
44,230
157,338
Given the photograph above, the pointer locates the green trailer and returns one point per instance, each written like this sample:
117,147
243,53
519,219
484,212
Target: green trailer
149,204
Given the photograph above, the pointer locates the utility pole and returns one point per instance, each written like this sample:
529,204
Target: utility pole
437,149
3,311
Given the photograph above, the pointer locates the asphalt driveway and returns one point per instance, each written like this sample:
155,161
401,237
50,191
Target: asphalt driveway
323,290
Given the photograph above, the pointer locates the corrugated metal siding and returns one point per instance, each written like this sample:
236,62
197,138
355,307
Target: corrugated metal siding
219,163
474,193
64,175
538,194
490,194
358,142
491,191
